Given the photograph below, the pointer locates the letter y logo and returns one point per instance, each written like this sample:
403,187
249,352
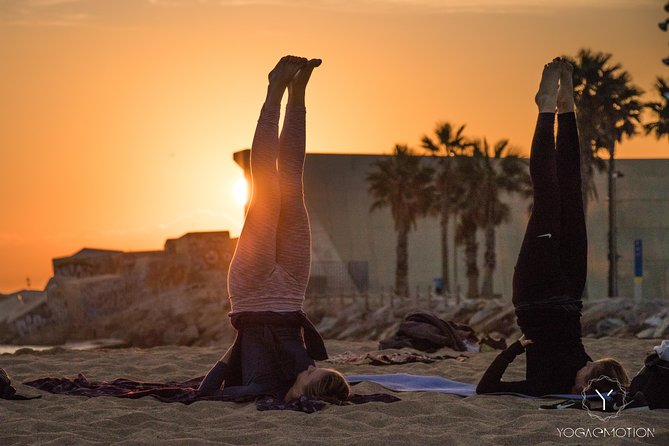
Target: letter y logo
614,395
603,398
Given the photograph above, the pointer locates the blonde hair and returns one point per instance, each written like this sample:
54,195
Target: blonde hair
603,375
332,387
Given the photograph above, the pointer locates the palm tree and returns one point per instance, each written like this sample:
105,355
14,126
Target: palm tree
465,234
470,210
501,170
661,110
608,109
402,183
448,144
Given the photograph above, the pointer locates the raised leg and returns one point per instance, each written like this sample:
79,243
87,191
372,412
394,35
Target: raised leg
573,234
256,253
537,274
294,232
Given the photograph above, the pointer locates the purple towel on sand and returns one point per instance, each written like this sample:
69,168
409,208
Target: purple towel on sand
181,392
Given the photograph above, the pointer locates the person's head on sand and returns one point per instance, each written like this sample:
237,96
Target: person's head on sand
601,375
322,383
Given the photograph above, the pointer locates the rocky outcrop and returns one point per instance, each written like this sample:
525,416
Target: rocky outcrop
142,314
621,317
648,319
23,315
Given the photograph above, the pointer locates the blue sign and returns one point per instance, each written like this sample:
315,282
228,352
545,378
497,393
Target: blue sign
638,258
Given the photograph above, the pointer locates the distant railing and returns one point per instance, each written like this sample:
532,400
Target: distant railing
423,298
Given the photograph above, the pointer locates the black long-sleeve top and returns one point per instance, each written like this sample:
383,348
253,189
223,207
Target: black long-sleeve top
271,349
551,369
271,359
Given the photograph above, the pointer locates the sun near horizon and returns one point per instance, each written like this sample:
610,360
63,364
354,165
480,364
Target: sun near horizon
119,119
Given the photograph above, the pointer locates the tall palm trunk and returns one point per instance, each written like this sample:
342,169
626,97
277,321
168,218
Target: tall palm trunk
586,179
489,260
445,218
402,265
613,242
586,170
489,235
445,211
471,249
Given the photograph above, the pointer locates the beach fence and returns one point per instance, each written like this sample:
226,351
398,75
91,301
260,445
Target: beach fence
337,284
424,299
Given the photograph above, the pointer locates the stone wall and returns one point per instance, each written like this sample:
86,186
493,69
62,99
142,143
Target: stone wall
146,298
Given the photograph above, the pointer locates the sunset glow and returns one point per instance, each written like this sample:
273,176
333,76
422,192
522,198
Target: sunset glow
119,118
241,191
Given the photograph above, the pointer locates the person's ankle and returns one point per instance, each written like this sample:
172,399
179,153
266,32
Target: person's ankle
274,95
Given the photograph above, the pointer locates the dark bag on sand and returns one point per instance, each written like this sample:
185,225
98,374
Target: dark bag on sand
7,391
653,382
426,332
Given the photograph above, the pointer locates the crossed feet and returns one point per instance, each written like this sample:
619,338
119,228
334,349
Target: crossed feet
290,73
556,90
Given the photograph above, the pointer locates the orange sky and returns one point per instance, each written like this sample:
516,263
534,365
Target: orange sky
118,118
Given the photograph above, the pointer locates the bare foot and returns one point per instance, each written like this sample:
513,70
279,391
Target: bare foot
298,85
565,96
546,97
279,78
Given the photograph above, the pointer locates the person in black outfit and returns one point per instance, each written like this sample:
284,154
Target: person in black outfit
550,273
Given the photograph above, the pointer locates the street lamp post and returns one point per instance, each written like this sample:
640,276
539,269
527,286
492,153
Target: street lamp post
613,250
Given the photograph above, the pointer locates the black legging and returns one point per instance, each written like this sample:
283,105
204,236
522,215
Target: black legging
550,274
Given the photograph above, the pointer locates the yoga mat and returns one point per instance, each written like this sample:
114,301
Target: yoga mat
405,382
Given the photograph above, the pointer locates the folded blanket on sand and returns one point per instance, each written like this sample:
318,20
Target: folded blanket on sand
182,392
404,382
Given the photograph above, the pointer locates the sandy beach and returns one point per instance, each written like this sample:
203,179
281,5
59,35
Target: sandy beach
420,418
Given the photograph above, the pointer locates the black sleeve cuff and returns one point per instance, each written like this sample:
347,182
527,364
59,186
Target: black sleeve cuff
516,348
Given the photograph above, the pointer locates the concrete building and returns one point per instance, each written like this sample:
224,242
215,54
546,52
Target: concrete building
95,283
88,262
354,249
199,251
22,313
204,250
